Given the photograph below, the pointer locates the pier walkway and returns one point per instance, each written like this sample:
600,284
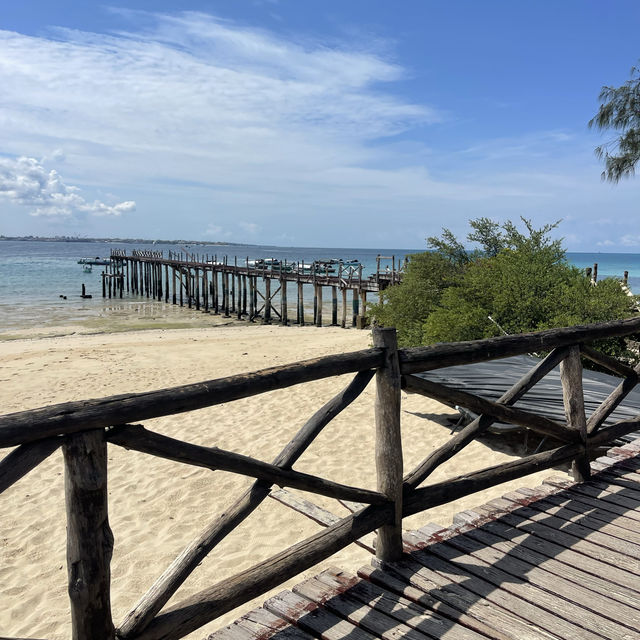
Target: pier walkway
559,561
257,289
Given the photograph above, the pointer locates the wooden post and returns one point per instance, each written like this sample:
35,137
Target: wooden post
197,287
284,316
104,285
315,303
252,303
166,283
214,282
595,272
126,263
173,284
244,295
343,322
625,278
355,303
334,306
389,442
301,304
266,318
225,293
89,537
319,305
205,290
571,377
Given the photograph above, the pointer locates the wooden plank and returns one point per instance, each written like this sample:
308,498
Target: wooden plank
522,565
259,624
451,396
497,608
379,624
592,573
314,619
455,353
352,506
392,583
483,422
589,496
140,439
168,583
89,537
69,417
529,602
573,506
603,491
24,458
317,514
400,609
585,519
388,449
528,520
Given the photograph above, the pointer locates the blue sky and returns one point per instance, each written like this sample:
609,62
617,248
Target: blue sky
300,122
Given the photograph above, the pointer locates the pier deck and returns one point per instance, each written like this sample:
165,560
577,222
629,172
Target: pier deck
248,291
559,561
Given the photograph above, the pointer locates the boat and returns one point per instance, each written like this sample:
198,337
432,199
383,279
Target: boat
96,260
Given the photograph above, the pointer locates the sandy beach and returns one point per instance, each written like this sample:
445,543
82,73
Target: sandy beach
157,506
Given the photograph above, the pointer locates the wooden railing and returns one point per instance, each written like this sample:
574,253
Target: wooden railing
84,429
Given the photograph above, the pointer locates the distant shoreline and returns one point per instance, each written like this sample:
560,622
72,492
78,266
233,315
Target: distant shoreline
121,240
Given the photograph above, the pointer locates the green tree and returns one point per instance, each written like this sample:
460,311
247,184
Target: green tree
517,281
620,110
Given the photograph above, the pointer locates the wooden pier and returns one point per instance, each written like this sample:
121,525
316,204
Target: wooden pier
558,561
252,290
559,564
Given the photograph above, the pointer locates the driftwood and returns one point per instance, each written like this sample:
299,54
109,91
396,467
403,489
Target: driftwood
138,438
452,353
25,458
389,443
451,396
89,537
193,612
483,422
72,417
169,582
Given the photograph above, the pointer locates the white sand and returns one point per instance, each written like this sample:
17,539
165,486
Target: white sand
157,506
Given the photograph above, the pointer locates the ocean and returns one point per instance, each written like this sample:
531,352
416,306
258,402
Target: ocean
41,282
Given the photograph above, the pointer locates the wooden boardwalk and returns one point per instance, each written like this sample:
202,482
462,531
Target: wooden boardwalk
559,561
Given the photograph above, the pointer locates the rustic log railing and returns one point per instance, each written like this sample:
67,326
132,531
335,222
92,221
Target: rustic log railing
84,429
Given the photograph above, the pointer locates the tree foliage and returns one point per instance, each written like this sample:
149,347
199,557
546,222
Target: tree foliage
620,110
517,281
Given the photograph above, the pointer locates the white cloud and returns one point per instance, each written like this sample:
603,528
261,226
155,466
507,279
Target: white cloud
26,182
630,240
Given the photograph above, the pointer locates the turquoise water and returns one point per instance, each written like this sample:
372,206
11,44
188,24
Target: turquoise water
35,275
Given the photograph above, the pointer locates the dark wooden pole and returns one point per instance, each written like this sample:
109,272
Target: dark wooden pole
389,442
301,304
571,377
266,318
318,305
343,322
334,306
284,315
89,537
